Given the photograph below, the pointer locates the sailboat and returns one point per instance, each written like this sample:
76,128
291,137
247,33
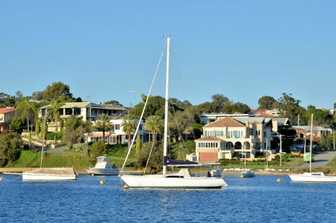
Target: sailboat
180,180
48,174
312,177
246,173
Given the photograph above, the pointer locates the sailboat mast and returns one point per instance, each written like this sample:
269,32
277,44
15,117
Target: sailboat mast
311,142
165,137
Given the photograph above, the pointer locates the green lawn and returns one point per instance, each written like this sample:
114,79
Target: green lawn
289,162
29,158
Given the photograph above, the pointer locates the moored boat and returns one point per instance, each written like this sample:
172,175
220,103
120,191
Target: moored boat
49,174
312,177
247,173
180,180
103,167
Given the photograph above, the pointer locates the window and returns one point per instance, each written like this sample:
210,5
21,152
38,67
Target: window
77,111
117,127
68,111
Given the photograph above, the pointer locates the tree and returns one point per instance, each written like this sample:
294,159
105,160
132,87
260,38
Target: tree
53,110
239,107
138,145
113,102
267,102
154,125
10,147
218,103
321,116
95,150
103,124
26,111
128,126
290,107
18,95
56,91
74,128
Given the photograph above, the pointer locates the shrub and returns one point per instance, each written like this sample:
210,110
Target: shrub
10,148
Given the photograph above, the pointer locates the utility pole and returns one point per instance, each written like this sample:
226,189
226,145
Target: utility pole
266,152
280,150
333,134
298,121
311,142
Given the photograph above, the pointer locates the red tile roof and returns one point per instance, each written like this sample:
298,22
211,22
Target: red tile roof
6,110
225,122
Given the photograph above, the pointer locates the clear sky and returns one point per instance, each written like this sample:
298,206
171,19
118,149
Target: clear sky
109,49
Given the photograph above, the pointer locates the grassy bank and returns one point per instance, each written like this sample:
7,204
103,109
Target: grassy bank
29,158
69,158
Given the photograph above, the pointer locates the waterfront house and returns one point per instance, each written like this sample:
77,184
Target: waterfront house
114,136
261,114
6,116
90,112
230,137
303,131
86,111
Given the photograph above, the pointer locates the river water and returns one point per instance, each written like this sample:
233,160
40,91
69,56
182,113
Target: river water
259,199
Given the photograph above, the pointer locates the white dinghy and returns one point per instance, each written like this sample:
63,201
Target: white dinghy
312,177
180,180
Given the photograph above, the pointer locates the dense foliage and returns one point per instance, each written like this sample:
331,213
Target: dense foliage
10,147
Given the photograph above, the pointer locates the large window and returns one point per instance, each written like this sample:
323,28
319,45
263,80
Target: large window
77,111
68,111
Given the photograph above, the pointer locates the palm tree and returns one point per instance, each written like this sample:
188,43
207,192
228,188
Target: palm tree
26,111
103,124
128,127
154,125
54,108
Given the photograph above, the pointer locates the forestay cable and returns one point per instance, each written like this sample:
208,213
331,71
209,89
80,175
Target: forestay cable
143,110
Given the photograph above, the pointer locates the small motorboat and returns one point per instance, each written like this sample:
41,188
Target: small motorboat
103,167
247,173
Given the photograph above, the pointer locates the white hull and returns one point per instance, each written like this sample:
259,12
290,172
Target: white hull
160,181
103,171
312,178
49,174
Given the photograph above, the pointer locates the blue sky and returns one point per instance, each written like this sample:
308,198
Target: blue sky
109,49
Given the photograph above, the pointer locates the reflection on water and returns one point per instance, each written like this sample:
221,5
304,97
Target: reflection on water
259,199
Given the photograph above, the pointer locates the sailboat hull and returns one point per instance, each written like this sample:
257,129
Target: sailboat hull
160,181
312,178
49,174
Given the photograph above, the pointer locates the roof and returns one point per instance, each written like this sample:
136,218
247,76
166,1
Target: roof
225,122
208,138
6,110
258,120
306,128
85,104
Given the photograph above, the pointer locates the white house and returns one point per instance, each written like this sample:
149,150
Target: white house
115,136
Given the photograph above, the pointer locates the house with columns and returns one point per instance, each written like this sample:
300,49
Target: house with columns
229,137
90,112
86,111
